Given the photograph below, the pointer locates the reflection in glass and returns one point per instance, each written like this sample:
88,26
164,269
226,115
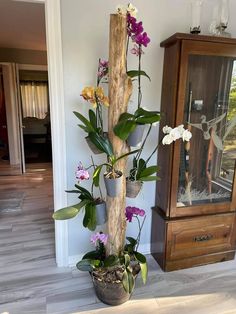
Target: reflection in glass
207,161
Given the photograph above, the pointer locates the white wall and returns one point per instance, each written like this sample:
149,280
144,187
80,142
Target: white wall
85,28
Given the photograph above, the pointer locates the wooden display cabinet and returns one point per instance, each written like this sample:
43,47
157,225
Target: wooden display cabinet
193,222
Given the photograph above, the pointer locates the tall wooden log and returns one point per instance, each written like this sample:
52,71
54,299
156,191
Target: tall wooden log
120,89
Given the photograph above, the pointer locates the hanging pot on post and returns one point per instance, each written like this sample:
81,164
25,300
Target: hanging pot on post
101,212
113,185
92,146
135,137
133,188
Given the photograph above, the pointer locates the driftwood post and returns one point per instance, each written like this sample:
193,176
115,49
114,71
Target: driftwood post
120,89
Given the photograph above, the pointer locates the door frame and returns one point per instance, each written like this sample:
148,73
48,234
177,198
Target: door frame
58,133
56,96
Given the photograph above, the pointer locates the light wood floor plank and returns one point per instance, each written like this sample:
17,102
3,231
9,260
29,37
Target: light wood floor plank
30,282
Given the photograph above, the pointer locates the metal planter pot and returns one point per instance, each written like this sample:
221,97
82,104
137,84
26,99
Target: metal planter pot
110,293
93,147
135,138
113,186
133,188
101,213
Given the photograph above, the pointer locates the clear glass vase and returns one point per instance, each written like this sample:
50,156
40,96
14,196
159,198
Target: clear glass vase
220,19
196,6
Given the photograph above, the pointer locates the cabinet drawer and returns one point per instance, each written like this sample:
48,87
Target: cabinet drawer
200,236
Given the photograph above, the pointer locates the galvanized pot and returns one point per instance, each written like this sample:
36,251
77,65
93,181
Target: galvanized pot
101,213
133,188
135,138
113,186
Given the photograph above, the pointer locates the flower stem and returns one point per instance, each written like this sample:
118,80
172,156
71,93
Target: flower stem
140,226
153,152
92,184
139,78
127,47
142,146
98,79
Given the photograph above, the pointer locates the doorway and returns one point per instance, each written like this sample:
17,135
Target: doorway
35,119
56,91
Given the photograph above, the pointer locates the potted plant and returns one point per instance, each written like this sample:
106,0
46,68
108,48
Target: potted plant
114,276
128,123
95,207
97,98
116,261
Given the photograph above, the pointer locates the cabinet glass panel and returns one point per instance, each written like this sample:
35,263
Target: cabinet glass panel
207,162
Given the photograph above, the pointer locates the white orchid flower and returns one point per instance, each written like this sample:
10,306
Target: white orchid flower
181,129
175,133
172,135
167,139
166,129
132,10
186,136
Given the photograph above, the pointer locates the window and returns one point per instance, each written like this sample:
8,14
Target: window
34,98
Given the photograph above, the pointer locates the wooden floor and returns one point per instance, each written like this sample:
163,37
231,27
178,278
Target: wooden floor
31,283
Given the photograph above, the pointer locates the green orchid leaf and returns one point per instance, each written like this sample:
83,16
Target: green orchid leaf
92,119
88,264
73,191
143,265
144,272
111,260
126,116
129,248
69,212
96,175
151,178
148,120
136,73
92,255
127,154
84,121
85,128
102,143
140,112
124,128
65,213
141,167
135,163
125,281
127,259
90,220
131,281
149,171
132,241
84,191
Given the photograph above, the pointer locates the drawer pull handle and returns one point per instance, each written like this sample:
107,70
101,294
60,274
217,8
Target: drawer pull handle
202,238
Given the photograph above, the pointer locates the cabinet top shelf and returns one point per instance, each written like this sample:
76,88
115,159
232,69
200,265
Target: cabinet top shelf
184,36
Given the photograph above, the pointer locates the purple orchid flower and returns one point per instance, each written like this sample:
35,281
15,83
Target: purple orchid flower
142,39
137,50
130,211
81,173
99,236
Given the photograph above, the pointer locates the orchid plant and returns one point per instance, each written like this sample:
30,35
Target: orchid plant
87,200
128,264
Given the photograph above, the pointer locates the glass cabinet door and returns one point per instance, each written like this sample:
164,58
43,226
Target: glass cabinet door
207,162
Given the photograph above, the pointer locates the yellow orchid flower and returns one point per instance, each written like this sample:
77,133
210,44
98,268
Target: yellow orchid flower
101,97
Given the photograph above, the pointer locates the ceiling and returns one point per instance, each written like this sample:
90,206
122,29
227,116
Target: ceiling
22,25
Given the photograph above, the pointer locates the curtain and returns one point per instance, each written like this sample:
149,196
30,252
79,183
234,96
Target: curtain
34,98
